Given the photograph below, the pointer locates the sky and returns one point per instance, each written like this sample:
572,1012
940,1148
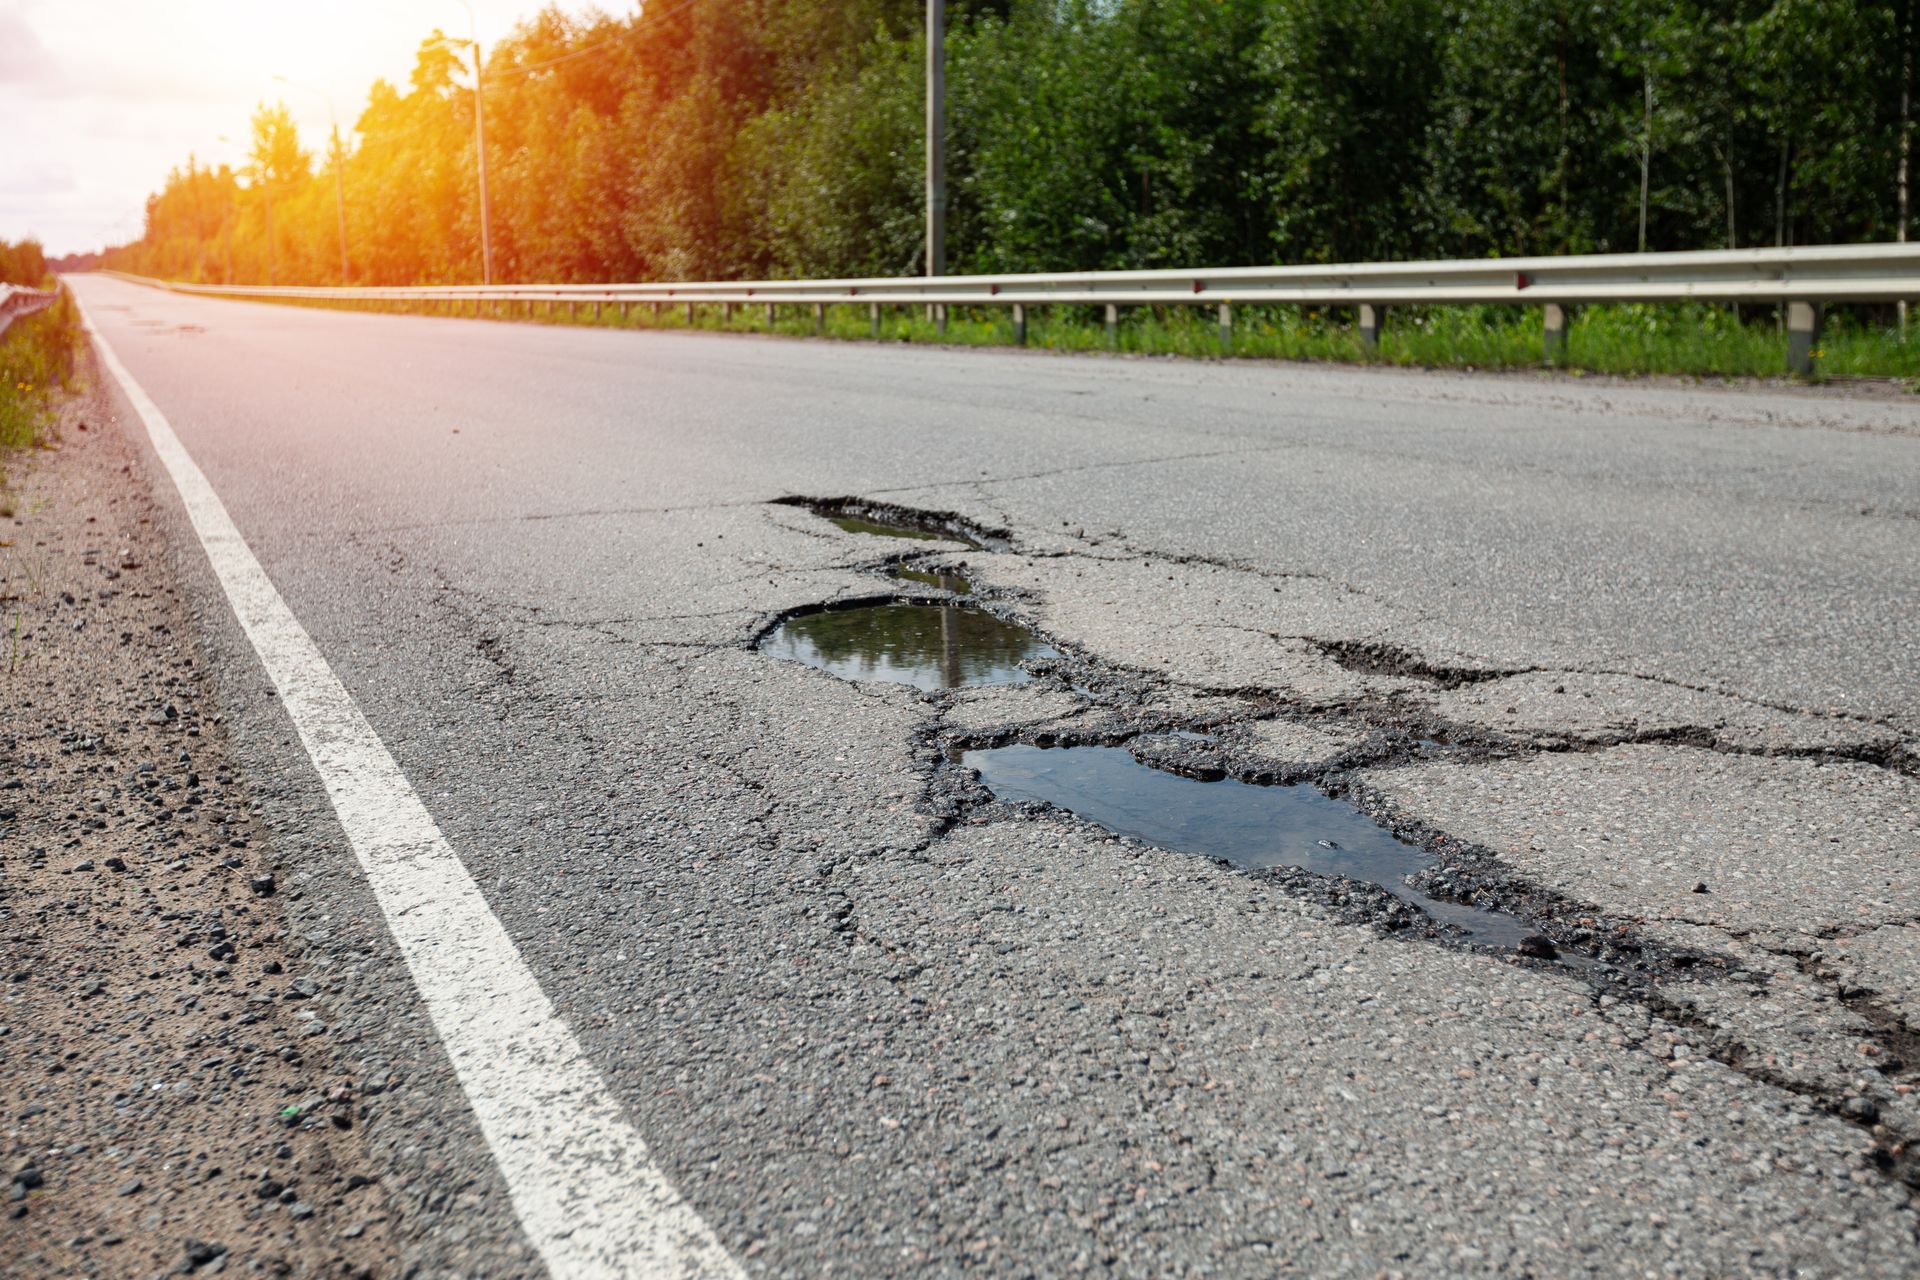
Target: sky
100,98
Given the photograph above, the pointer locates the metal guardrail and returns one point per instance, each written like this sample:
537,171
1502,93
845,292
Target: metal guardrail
16,302
1801,278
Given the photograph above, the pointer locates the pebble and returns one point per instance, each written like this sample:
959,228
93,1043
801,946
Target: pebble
199,1252
1860,1109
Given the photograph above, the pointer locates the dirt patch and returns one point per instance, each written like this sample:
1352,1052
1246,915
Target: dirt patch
168,1100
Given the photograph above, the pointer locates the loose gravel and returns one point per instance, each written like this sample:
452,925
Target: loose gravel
172,1104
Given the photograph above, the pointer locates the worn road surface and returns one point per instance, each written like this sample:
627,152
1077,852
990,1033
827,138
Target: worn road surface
1637,663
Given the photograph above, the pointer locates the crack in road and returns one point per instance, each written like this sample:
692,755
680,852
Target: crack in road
1462,871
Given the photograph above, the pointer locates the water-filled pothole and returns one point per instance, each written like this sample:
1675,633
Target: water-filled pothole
929,646
1248,825
884,520
940,578
859,524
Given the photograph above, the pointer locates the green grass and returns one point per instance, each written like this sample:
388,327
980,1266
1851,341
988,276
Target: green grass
1684,339
39,361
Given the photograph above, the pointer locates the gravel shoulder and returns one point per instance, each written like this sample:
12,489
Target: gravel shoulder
170,1104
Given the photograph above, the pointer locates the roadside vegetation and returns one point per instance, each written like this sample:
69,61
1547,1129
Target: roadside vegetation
1687,340
783,139
39,359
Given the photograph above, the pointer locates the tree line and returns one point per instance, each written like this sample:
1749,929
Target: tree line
757,138
23,263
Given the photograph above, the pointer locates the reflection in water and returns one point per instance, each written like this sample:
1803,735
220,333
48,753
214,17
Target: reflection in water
924,645
1250,826
937,578
880,529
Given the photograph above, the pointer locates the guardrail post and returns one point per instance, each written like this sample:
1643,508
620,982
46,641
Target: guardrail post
1370,318
819,318
873,317
689,315
726,315
940,318
1019,324
1113,326
769,315
1553,331
1803,337
1226,328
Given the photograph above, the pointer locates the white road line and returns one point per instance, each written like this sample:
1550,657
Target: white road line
585,1187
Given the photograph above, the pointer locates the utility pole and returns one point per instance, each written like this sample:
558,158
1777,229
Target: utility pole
1646,150
480,148
340,203
936,138
479,135
339,181
266,190
1906,135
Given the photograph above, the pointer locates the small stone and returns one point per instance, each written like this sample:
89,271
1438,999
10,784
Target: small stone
262,885
131,1188
116,864
29,1177
1860,1109
300,1209
92,989
1537,945
85,864
200,1252
1701,887
268,1189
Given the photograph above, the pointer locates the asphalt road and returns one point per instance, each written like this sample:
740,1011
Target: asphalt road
870,1024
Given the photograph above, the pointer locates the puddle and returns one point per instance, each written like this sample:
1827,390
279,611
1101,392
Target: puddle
883,520
933,578
1249,826
859,524
929,646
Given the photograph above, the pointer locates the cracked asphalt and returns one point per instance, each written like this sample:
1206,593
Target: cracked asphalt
1634,661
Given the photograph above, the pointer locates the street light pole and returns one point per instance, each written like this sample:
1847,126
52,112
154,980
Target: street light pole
339,180
480,148
340,203
479,137
936,138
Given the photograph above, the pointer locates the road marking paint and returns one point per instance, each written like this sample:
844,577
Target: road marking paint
582,1181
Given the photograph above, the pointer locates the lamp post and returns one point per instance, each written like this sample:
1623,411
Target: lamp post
339,181
936,138
479,137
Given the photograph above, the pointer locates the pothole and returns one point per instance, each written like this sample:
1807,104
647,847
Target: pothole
884,520
1253,826
928,646
940,578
